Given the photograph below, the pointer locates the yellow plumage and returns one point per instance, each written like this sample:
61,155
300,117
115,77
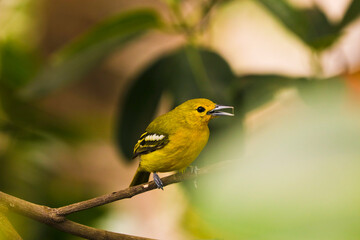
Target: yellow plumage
174,140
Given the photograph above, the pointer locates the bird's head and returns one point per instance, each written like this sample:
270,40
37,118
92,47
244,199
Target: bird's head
199,111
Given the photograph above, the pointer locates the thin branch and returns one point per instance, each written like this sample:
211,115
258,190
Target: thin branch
47,215
133,191
56,216
91,233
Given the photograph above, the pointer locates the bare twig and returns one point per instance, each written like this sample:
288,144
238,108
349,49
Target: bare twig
132,191
48,216
56,216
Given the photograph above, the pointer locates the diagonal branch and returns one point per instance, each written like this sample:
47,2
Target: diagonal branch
46,215
56,216
133,191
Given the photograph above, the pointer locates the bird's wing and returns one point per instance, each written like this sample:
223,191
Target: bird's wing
149,142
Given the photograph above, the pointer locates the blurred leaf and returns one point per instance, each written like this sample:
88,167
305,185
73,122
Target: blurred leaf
199,72
85,53
280,188
352,13
24,120
7,231
291,17
195,224
310,25
321,33
256,90
140,105
321,93
19,118
176,74
18,64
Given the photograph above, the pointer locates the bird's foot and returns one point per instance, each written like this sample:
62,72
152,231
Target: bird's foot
194,170
158,181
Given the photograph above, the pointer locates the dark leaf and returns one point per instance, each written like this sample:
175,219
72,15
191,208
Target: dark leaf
292,18
19,118
18,64
310,25
255,90
352,13
321,33
139,108
25,120
185,74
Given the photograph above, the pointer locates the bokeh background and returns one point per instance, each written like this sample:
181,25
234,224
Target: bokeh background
80,80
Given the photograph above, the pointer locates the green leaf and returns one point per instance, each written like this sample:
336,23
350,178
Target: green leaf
139,108
200,72
7,231
352,13
290,17
321,33
19,118
322,93
24,120
310,25
253,91
17,64
80,56
185,74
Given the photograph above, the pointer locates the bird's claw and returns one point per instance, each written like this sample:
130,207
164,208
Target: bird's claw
194,170
158,181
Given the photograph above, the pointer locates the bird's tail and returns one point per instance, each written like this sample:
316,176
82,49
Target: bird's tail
140,177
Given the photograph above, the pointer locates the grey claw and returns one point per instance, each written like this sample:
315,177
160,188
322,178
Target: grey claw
158,181
194,169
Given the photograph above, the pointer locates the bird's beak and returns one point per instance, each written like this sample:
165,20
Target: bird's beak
216,112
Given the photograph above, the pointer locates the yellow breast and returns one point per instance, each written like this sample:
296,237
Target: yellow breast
183,148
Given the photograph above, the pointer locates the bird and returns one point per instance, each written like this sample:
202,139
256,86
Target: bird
172,141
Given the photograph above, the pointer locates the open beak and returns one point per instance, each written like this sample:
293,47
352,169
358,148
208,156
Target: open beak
216,111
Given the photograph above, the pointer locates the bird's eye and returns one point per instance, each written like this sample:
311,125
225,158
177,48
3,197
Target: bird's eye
200,109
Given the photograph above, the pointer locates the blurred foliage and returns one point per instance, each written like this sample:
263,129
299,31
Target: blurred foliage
82,55
321,93
351,14
252,91
311,25
29,166
298,179
19,65
28,134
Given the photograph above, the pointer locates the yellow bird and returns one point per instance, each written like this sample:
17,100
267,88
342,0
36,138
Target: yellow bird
174,140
